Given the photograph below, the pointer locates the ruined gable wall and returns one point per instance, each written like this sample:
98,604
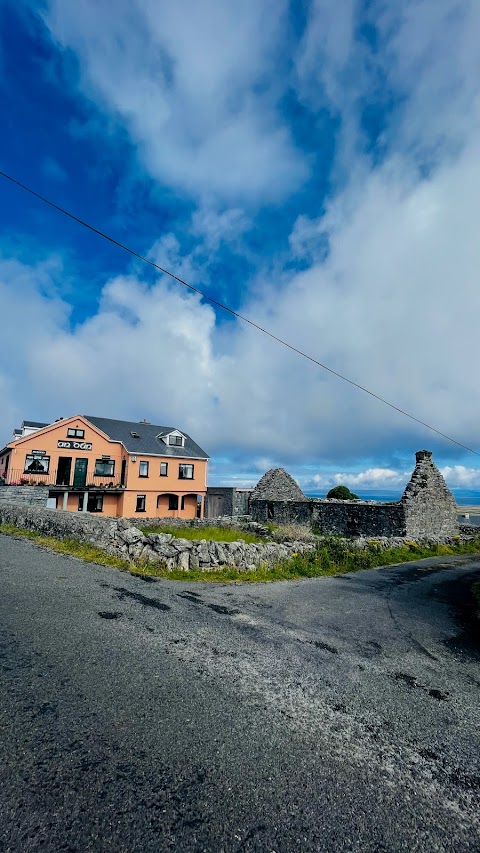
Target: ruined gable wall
426,510
429,505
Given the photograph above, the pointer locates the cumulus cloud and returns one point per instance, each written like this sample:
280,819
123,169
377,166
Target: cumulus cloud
389,295
461,477
372,478
196,86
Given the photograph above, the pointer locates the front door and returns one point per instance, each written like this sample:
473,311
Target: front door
80,473
63,471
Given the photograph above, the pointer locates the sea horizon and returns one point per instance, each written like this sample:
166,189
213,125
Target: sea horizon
463,497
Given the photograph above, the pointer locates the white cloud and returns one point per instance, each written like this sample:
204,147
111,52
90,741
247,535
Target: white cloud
394,305
460,477
370,479
196,86
382,478
432,62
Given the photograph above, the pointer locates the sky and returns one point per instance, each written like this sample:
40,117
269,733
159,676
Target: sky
314,165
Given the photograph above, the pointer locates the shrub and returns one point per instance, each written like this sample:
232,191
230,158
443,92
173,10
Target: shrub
342,493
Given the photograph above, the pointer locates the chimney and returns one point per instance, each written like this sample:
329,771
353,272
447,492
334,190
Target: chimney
423,454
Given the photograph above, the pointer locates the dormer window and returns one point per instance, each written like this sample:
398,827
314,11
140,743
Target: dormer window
176,440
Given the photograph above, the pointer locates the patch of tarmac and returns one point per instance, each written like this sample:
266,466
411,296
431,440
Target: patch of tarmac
195,598
144,600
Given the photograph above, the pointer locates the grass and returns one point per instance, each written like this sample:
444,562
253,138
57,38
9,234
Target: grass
333,556
212,534
72,547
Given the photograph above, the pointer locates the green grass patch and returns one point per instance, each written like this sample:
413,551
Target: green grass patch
332,556
71,547
212,534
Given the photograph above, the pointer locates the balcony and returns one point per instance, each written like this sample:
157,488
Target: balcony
62,482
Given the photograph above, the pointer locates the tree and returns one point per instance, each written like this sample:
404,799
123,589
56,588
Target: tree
342,493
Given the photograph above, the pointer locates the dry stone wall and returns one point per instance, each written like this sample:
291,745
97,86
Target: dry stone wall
118,537
28,495
356,518
427,509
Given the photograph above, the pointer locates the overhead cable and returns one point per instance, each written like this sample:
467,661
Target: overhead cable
232,312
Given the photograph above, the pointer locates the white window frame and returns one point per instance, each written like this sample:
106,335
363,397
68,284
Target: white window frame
184,476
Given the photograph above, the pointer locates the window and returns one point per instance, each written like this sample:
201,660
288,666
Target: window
185,472
104,467
81,502
75,433
143,470
94,503
140,503
134,434
36,464
176,440
173,501
163,469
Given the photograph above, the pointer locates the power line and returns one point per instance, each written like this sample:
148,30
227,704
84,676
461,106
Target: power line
232,312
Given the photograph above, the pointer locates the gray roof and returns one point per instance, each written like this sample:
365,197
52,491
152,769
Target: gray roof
35,424
148,442
277,485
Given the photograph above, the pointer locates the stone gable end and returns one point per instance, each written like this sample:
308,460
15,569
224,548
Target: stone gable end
428,503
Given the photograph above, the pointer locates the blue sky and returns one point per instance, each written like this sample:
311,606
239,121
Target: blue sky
314,165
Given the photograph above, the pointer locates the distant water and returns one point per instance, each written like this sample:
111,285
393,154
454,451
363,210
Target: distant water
463,497
364,496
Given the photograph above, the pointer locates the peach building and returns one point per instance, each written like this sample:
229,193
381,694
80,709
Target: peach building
112,467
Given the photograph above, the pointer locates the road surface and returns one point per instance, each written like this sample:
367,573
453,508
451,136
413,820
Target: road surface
335,714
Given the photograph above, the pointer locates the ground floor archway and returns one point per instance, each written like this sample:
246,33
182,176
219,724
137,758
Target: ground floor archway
173,505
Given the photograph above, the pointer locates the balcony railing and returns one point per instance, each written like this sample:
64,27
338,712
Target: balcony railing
61,480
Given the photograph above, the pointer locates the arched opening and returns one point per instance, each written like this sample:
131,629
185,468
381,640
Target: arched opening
168,506
188,506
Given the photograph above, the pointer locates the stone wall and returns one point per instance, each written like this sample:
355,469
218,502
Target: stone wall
277,484
358,518
427,509
28,495
118,537
282,512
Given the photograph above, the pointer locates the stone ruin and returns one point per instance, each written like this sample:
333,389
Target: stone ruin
426,510
277,485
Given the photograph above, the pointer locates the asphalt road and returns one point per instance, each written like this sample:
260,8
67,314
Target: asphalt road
336,714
